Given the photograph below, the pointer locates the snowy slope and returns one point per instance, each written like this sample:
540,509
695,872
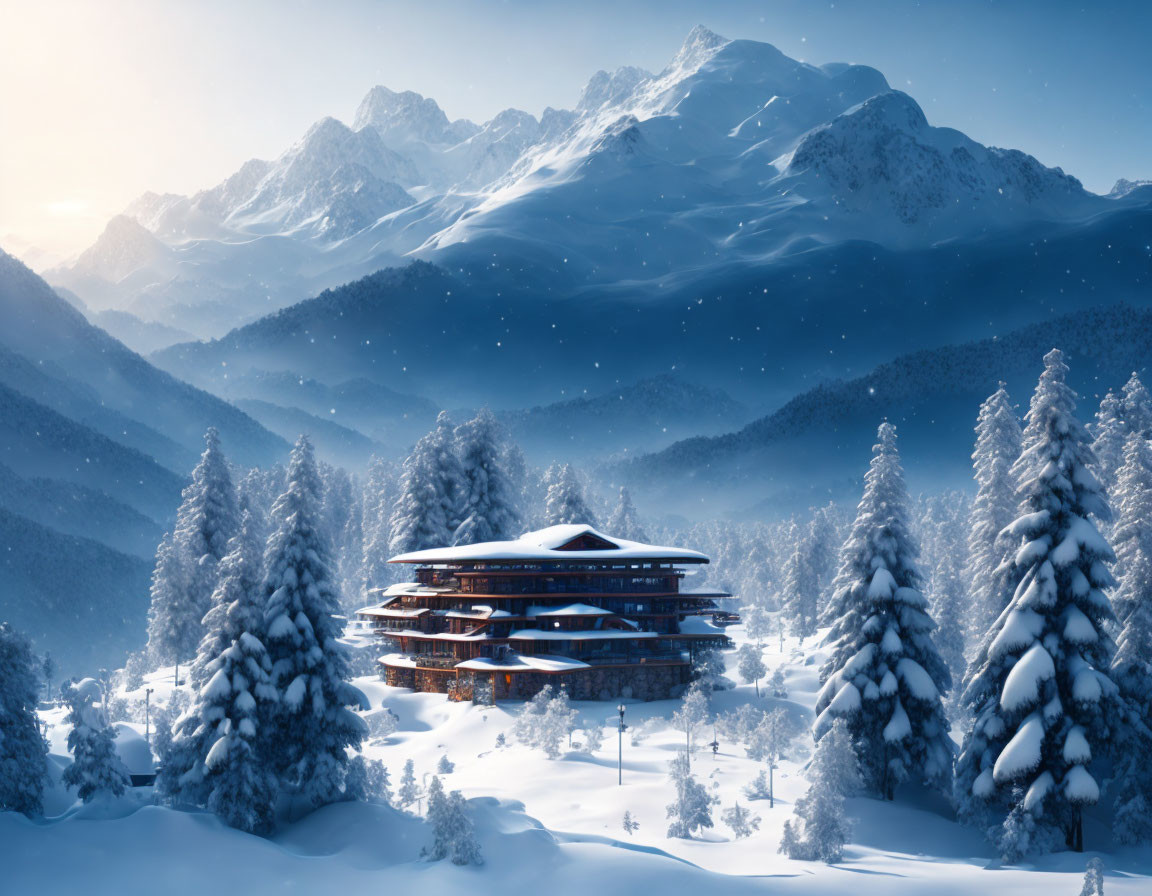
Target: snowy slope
552,824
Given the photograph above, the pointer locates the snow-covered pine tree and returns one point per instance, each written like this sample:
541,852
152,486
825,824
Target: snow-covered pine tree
1043,704
1132,533
630,825
757,622
777,686
1132,665
751,665
1136,407
96,770
943,521
182,584
378,500
453,835
767,742
692,713
885,675
564,502
822,534
624,523
819,829
489,499
741,820
427,508
1108,437
692,808
409,791
214,759
800,597
306,733
998,443
556,725
23,751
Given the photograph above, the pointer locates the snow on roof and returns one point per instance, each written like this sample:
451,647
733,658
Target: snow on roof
570,610
553,544
390,613
516,663
698,625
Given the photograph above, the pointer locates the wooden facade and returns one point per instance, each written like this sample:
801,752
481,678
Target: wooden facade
568,606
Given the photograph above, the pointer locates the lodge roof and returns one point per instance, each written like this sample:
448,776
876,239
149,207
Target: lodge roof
556,544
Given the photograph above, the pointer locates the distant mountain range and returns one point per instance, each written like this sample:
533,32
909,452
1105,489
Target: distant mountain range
734,155
817,446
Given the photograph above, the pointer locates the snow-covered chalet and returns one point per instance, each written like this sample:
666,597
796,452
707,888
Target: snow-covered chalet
568,606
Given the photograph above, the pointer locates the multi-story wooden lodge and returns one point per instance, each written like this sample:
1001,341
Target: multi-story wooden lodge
567,605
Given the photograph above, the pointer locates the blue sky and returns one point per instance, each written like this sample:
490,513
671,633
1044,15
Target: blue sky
174,96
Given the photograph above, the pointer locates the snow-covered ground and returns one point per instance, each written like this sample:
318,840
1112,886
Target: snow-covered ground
543,824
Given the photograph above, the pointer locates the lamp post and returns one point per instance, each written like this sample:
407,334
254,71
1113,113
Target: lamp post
147,718
620,746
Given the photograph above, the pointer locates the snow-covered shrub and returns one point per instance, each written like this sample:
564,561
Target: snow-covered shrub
776,685
593,738
630,824
96,770
741,820
1094,873
692,714
382,724
445,766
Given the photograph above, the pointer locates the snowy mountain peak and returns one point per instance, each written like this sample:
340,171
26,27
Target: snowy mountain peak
125,246
611,89
700,44
408,116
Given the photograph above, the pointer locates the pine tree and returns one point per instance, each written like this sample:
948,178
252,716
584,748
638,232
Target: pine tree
767,742
692,809
997,447
23,751
565,502
751,665
214,759
96,770
307,733
801,586
489,500
453,835
1132,665
427,509
409,791
885,675
186,563
624,522
378,501
1136,408
943,546
819,830
1043,704
630,825
1108,437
